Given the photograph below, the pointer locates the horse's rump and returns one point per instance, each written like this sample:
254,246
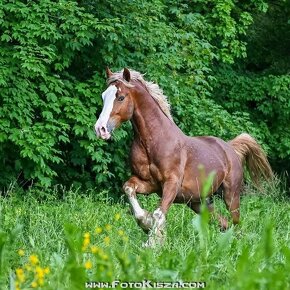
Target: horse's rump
206,154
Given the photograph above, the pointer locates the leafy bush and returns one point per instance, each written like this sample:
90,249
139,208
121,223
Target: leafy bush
47,114
53,55
265,99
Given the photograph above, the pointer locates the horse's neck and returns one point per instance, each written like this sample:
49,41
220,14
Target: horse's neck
151,125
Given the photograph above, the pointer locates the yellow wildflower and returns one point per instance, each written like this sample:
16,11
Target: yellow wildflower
98,230
121,233
41,282
34,284
28,267
19,271
95,249
86,241
117,216
87,235
108,227
33,259
88,265
46,270
107,240
21,252
20,275
17,285
39,272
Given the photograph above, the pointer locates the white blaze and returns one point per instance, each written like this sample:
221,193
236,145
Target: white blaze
108,99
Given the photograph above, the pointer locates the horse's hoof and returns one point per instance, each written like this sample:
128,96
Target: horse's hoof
148,244
153,242
224,225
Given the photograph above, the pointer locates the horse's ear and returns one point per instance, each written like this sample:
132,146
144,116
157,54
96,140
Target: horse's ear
126,75
108,72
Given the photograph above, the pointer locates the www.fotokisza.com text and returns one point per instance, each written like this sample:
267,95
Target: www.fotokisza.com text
145,284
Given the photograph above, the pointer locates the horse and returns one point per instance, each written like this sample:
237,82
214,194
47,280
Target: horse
166,161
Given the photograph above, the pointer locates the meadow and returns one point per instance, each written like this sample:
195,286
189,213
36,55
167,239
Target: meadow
63,239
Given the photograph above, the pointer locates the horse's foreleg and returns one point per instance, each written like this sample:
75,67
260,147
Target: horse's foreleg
133,185
156,234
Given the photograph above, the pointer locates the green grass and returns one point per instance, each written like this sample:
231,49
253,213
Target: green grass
254,255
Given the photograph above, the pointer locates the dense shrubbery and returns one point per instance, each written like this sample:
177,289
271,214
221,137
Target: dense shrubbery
53,54
260,84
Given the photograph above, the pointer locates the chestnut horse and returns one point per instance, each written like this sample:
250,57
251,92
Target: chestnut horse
166,161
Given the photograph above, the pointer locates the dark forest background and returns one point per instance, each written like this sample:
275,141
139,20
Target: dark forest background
225,66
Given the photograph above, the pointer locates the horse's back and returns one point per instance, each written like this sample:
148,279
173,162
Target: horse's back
209,145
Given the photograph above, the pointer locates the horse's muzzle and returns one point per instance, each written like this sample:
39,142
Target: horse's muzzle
104,131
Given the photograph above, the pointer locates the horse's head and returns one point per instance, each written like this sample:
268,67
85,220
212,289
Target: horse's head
118,105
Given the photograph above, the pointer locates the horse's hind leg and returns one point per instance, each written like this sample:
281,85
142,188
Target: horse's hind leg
232,189
133,185
195,206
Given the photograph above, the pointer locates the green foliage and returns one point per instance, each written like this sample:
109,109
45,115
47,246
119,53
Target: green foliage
88,238
259,84
52,58
47,113
266,100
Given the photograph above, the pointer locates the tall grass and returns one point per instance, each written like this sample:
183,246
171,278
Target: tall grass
61,240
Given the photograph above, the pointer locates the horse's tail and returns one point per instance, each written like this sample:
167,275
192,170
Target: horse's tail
252,155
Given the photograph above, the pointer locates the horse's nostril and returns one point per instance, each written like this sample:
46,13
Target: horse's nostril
103,130
110,126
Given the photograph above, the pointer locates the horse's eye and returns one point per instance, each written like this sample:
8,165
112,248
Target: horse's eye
121,98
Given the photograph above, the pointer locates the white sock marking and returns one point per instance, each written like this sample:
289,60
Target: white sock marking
159,217
138,211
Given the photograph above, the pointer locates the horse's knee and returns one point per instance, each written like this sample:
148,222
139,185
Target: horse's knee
129,189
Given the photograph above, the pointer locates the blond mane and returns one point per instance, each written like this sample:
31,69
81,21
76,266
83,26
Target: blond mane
154,90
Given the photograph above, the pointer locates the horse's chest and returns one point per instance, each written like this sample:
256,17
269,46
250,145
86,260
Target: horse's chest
143,168
140,164
146,171
155,172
